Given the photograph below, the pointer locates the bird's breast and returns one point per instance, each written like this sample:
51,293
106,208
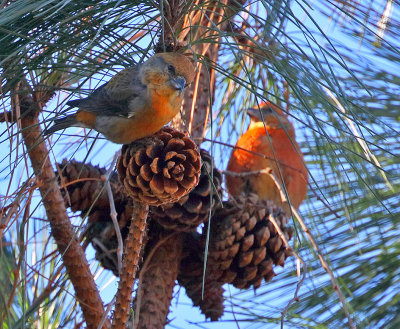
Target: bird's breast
165,106
276,150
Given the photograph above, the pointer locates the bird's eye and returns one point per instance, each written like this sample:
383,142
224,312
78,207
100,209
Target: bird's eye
171,69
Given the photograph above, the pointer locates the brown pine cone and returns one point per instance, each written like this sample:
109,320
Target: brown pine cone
191,278
161,168
244,244
103,237
194,208
82,185
85,192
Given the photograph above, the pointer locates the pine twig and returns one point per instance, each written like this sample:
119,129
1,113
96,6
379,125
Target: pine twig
133,245
108,309
299,259
113,212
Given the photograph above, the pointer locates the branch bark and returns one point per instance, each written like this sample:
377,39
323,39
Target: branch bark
198,98
72,254
132,248
208,22
157,281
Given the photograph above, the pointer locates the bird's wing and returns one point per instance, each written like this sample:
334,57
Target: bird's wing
122,96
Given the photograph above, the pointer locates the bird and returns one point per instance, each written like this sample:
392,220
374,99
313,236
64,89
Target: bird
136,102
270,145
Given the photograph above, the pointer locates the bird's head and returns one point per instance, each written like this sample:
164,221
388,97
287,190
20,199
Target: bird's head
272,115
168,71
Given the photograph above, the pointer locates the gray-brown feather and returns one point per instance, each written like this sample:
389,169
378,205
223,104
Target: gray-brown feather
115,97
62,123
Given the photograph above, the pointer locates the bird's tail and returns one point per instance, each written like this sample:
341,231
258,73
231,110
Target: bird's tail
62,123
75,102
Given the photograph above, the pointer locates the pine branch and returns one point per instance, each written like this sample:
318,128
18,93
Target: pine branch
133,245
210,22
62,230
321,256
156,282
113,213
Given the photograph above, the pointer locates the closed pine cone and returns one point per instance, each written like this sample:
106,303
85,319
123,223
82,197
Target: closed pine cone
244,244
84,191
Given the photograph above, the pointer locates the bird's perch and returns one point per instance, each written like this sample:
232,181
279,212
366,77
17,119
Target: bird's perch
72,254
130,260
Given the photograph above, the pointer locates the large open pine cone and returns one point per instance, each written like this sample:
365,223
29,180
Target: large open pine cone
191,278
194,208
244,244
161,168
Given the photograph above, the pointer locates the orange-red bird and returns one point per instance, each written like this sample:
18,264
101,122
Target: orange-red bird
136,102
276,141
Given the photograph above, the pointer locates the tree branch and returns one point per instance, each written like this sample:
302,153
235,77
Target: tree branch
133,245
72,254
156,282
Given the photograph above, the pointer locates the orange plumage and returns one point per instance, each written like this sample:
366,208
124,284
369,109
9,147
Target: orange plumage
277,149
136,102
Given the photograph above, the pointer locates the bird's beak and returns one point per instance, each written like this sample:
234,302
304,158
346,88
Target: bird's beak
254,114
178,83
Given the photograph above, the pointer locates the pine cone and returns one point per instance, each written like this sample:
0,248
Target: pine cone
159,169
103,237
84,190
191,278
244,244
194,208
86,193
